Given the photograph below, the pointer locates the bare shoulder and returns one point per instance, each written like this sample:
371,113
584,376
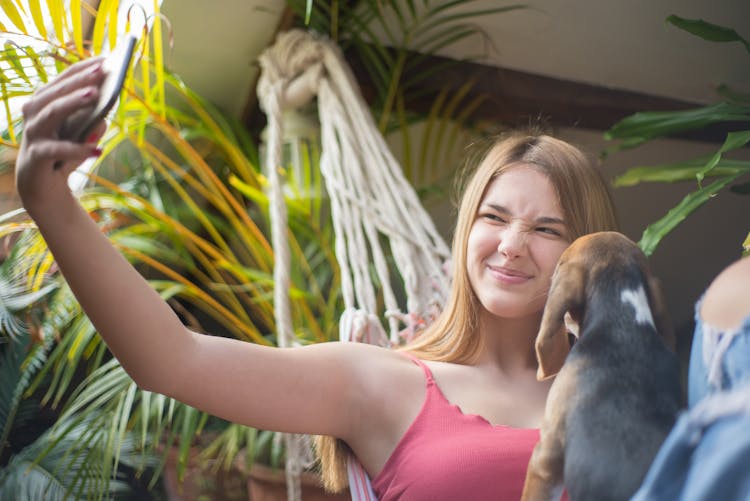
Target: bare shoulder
390,391
366,359
378,379
727,300
382,373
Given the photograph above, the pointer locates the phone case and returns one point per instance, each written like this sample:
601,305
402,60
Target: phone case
79,125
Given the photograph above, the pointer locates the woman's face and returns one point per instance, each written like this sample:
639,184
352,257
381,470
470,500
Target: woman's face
515,241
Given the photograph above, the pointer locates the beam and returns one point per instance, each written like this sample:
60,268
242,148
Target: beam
517,98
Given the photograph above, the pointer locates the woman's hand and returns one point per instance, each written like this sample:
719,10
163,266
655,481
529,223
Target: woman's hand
315,389
44,160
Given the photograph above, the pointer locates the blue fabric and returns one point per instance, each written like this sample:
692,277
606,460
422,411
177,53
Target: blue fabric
707,454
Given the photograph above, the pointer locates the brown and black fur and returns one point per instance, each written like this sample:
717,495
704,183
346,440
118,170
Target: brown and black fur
617,391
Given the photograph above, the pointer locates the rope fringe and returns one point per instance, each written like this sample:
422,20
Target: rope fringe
370,199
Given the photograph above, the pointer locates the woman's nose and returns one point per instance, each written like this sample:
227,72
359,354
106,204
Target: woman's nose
512,242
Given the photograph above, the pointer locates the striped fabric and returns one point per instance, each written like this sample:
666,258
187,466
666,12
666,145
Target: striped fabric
359,483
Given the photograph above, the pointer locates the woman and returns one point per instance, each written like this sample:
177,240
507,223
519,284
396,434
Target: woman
457,414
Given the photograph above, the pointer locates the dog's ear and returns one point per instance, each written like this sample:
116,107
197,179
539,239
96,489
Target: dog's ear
567,293
662,320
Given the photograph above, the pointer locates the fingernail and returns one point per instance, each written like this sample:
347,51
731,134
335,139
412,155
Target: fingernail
92,138
89,92
96,152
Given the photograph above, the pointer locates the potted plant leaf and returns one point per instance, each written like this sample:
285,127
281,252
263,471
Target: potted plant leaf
179,191
713,173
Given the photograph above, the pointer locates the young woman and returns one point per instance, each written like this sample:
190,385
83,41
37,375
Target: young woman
455,414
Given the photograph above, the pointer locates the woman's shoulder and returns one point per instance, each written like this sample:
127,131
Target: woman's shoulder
727,302
370,367
385,373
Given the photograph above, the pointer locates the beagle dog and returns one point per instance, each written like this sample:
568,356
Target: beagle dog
617,390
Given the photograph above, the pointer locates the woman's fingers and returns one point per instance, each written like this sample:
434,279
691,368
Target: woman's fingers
44,121
58,153
86,73
44,161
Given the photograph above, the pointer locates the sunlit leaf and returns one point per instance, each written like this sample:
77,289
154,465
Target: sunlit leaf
10,10
104,12
35,7
57,13
77,23
10,54
36,60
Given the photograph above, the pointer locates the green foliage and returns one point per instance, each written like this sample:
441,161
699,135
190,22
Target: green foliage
708,31
394,40
641,127
70,462
179,192
168,198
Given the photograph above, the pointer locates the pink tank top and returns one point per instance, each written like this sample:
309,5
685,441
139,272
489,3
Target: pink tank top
448,455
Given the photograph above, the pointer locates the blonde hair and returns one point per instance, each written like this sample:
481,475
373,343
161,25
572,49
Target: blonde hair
587,207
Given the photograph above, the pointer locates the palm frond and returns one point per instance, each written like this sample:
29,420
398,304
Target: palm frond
69,466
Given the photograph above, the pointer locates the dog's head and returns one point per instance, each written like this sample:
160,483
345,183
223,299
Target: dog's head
590,259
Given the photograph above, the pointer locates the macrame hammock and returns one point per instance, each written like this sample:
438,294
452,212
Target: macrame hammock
371,201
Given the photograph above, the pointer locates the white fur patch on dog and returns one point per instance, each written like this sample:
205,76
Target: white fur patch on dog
571,325
639,301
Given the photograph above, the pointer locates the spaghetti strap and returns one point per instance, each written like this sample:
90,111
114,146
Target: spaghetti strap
360,485
427,371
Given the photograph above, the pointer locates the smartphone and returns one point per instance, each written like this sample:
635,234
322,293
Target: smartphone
79,125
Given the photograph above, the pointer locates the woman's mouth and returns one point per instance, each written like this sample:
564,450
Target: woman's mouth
509,275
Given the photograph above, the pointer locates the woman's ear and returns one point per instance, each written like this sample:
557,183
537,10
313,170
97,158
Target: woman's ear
566,294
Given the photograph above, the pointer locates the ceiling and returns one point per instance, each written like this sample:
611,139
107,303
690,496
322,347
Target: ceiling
617,44
622,45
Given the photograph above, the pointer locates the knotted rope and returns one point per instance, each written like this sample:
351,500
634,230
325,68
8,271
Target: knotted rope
370,199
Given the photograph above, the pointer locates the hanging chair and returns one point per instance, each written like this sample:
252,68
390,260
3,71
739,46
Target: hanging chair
371,203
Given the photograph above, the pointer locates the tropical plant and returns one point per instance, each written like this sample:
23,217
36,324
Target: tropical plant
188,211
178,190
733,109
394,40
39,464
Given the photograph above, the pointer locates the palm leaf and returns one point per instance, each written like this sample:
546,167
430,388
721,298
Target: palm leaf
14,383
653,234
644,126
681,171
708,31
192,216
68,467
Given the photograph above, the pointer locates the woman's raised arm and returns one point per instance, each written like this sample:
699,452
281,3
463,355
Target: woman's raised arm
299,389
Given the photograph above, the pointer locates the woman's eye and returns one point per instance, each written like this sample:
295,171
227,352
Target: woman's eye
549,231
494,217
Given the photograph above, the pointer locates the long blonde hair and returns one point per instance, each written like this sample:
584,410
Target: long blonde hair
587,207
